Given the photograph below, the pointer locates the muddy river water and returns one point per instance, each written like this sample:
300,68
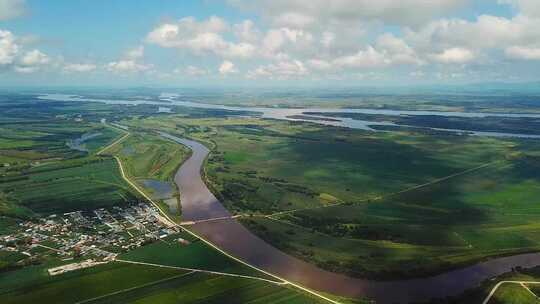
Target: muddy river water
198,203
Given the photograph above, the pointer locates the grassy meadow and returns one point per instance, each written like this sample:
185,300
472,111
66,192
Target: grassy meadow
149,159
351,198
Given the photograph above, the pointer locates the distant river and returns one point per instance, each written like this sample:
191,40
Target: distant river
198,203
296,114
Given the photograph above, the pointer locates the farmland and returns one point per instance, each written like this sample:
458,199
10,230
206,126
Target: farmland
50,167
382,205
152,162
349,201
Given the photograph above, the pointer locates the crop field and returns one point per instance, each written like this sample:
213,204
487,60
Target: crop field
196,255
75,185
204,288
151,160
381,205
506,293
83,284
150,156
489,212
129,283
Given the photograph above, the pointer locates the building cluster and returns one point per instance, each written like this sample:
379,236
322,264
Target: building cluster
98,235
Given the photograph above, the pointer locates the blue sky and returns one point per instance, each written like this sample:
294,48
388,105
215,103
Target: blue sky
250,43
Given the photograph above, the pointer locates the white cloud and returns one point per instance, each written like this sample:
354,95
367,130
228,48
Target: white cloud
31,62
368,58
320,13
319,64
128,66
227,67
35,57
280,70
526,53
397,50
135,53
79,67
246,31
131,63
485,32
279,42
10,9
200,37
26,69
526,7
192,71
8,48
454,55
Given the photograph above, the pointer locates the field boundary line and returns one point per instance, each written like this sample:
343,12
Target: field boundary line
438,180
305,289
528,289
494,289
134,288
119,140
210,244
202,271
381,197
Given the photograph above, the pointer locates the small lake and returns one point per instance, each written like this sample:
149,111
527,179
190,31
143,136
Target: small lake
162,191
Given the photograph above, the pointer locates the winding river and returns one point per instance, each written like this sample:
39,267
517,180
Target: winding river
198,203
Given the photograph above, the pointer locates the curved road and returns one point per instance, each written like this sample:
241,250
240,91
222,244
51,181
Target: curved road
198,203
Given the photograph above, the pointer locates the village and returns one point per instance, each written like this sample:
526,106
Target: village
86,238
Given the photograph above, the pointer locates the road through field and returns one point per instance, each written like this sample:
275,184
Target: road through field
199,206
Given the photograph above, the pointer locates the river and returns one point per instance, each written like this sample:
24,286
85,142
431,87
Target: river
198,203
292,114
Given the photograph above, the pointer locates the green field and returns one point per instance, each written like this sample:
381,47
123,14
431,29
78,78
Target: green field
195,255
366,226
149,159
149,156
128,283
204,288
82,184
506,293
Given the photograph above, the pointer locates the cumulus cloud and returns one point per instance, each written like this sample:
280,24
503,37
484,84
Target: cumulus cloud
526,53
32,61
280,70
485,32
192,71
367,58
131,63
525,7
35,57
26,69
246,31
10,9
320,13
199,37
135,53
227,67
79,67
454,55
128,66
8,48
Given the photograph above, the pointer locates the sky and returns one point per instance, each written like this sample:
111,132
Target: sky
267,42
